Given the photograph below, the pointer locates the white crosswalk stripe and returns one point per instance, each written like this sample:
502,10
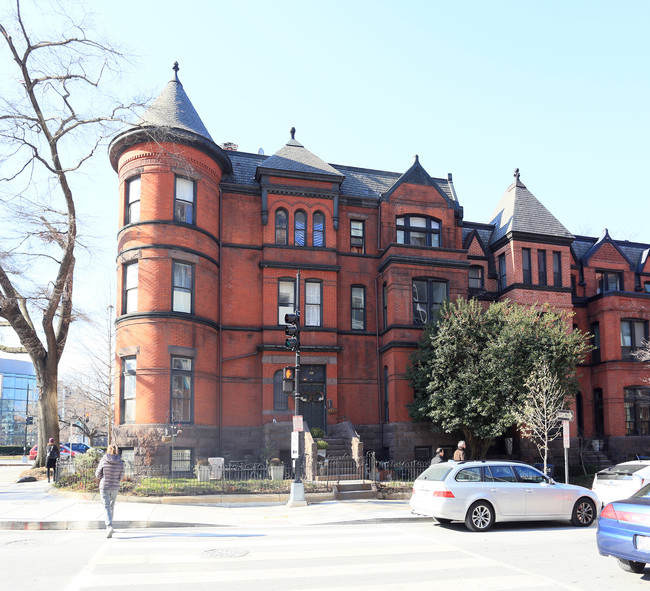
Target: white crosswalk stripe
346,558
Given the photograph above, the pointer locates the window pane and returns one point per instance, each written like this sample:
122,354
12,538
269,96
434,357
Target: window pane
182,301
133,200
418,238
182,386
182,363
184,189
439,293
183,275
319,229
417,223
356,228
281,227
400,236
626,334
131,276
183,212
312,303
312,292
300,222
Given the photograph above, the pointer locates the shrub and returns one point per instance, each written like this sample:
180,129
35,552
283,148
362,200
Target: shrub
317,433
322,444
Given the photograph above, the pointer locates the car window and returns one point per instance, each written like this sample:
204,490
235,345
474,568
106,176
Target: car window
469,475
436,472
529,475
643,492
620,471
501,473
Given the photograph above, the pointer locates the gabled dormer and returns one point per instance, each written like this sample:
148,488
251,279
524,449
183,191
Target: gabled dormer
420,211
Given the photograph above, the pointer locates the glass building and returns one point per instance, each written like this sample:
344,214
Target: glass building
18,401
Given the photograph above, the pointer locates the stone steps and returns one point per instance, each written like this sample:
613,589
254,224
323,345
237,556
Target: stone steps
354,490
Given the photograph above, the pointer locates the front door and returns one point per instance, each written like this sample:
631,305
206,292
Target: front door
313,395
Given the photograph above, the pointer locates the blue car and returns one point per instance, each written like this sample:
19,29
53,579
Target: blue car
624,531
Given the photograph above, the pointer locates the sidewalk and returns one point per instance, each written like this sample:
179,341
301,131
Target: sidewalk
38,506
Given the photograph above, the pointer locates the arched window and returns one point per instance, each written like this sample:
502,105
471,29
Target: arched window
300,228
281,226
318,230
418,230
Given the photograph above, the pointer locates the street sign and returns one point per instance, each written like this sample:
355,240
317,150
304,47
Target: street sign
565,415
297,423
295,445
565,435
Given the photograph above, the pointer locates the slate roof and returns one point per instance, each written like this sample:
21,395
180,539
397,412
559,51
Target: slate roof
294,157
173,108
584,247
520,211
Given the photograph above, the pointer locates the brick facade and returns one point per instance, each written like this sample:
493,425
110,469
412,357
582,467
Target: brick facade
370,243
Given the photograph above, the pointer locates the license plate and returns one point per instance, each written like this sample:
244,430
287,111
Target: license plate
643,543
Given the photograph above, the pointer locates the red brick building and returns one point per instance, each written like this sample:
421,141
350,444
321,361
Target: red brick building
210,243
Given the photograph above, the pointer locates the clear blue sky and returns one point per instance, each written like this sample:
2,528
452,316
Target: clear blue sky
476,88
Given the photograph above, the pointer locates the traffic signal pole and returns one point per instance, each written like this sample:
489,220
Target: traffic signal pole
297,495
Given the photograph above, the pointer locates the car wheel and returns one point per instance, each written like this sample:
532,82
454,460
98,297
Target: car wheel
631,566
584,512
480,516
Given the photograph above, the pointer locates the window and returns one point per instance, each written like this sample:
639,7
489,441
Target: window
557,269
428,295
280,399
281,227
182,277
182,390
358,307
357,236
528,475
646,287
503,279
541,267
130,292
633,333
500,474
286,298
300,228
384,311
469,475
526,265
128,390
419,231
637,411
313,303
318,235
132,200
476,277
608,281
184,197
595,341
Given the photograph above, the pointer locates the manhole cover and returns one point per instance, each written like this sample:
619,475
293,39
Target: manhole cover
224,553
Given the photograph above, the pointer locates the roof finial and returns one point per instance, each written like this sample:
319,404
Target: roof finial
417,158
292,131
176,68
516,175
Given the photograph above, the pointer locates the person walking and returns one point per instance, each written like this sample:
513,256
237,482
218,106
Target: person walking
459,454
110,471
52,454
439,457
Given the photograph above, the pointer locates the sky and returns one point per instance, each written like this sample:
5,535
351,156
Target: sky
475,88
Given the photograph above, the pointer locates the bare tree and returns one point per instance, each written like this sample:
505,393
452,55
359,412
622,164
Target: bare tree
538,412
643,354
89,391
53,117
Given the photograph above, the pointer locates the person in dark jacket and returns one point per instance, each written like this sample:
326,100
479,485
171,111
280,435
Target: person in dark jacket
110,471
52,454
439,457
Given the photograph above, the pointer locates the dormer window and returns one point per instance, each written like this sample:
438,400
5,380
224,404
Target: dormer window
418,231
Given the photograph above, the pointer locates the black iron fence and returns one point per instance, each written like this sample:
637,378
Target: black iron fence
239,477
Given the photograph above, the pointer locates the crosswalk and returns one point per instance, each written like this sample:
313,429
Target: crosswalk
345,558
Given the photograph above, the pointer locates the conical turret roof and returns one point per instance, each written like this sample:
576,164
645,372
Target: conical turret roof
171,117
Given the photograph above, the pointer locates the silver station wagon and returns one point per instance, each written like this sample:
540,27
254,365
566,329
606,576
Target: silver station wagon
482,492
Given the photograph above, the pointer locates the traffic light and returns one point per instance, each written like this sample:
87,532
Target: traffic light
29,421
87,417
292,342
288,379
